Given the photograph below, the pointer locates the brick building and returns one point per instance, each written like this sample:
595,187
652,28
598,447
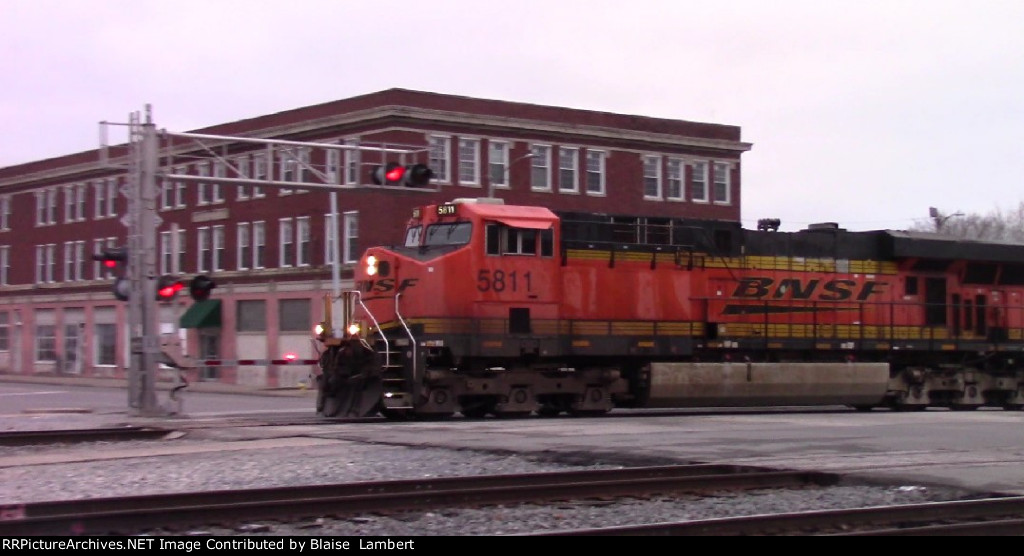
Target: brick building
267,247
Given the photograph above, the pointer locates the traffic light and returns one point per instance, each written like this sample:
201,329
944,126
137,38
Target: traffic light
200,286
413,175
168,287
391,174
113,258
418,175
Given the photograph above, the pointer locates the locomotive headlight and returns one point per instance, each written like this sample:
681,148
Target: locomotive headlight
371,265
318,329
353,329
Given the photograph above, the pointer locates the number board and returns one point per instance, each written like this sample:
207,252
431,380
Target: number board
445,210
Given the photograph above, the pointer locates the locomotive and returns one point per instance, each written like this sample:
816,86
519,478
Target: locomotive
495,309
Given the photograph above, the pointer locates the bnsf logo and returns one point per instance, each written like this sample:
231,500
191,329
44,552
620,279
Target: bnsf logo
832,290
385,285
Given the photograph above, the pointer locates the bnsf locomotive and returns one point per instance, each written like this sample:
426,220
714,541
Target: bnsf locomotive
493,309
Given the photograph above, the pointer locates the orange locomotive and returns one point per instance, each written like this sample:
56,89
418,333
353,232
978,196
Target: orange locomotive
509,310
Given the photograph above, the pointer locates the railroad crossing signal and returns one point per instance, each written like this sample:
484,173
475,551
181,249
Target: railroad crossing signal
114,260
168,287
200,286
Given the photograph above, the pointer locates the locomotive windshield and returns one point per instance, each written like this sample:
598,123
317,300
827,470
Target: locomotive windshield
453,233
412,236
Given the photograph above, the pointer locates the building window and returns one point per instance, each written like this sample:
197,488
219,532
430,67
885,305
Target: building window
721,170
218,249
100,197
568,167
352,163
674,179
5,213
51,206
351,239
259,244
74,263
699,184
111,197
294,315
205,254
303,252
259,172
45,263
180,267
105,336
167,253
179,188
286,254
469,162
652,177
5,331
252,315
244,244
595,172
440,157
74,202
5,265
242,171
540,166
287,166
46,342
202,187
497,163
216,191
332,166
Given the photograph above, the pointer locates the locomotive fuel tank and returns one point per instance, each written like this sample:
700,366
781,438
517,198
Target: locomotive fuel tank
744,384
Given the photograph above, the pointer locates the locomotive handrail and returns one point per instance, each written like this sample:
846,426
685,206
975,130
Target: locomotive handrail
408,332
376,325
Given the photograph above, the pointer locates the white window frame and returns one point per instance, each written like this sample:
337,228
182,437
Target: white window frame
572,169
699,180
540,168
601,160
352,162
216,189
203,250
652,173
179,188
202,187
5,213
243,246
286,240
675,178
350,229
441,157
725,183
218,249
5,265
259,244
469,161
303,242
497,164
243,168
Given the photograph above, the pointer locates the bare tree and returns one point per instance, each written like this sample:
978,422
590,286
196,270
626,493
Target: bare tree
998,225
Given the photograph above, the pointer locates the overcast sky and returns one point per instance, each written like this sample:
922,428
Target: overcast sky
860,112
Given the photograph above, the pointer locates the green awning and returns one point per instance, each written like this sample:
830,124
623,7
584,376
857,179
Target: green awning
202,314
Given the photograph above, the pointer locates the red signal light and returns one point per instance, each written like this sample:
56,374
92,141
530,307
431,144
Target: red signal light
395,174
168,287
110,263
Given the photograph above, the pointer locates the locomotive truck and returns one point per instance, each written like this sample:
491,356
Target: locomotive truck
494,309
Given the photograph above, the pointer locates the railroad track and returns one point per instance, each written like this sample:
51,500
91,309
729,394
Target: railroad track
174,512
987,517
70,436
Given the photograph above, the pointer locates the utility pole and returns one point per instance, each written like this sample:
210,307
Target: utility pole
142,222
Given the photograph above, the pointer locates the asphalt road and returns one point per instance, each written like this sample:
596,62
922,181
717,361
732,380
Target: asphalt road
978,450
